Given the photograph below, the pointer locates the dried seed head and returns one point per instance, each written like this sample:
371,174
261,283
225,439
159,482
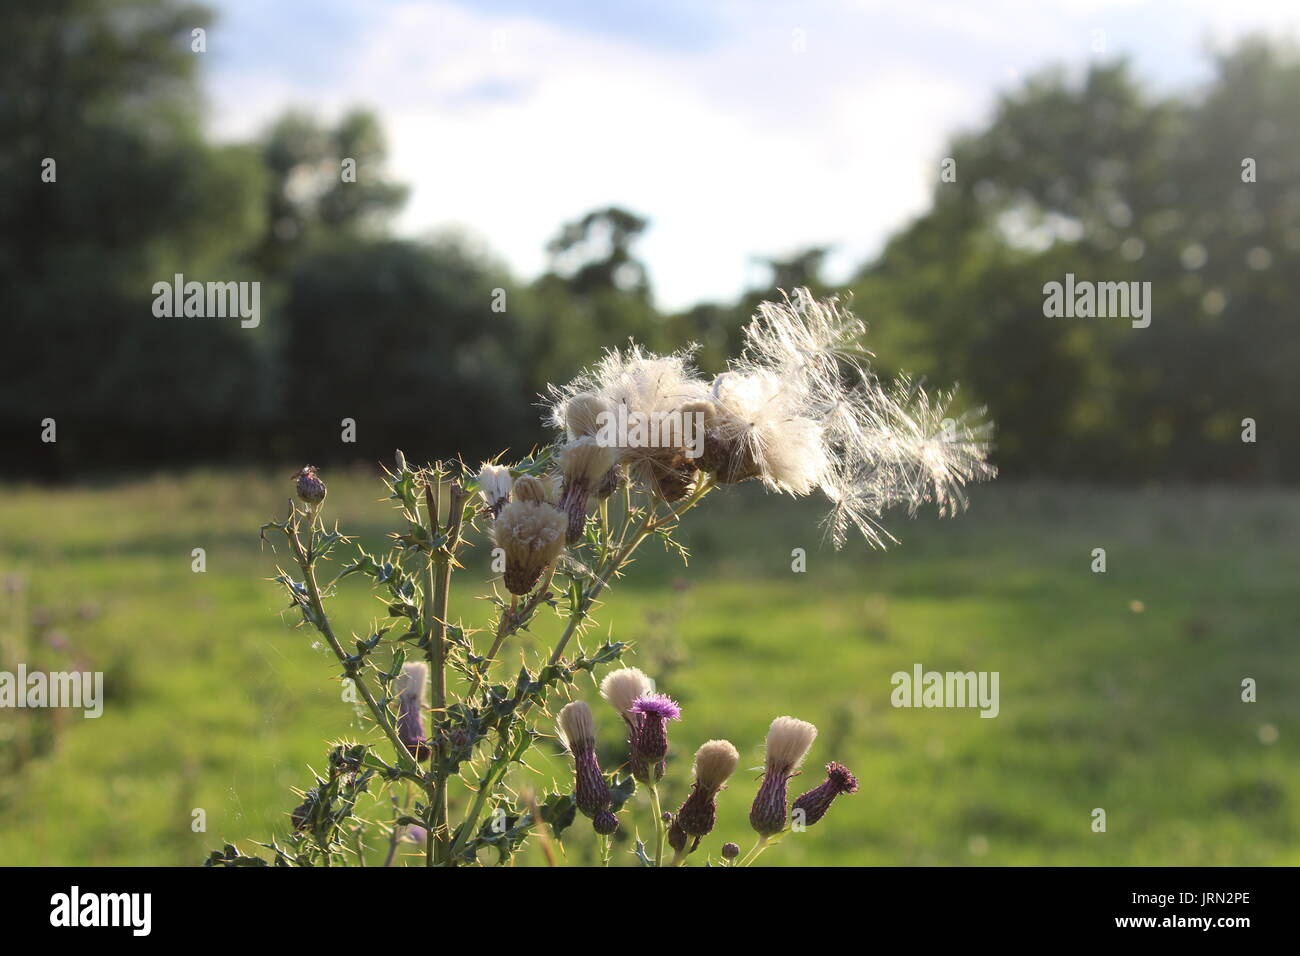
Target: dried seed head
788,740
715,762
494,486
309,486
577,727
528,488
582,414
622,687
584,463
531,534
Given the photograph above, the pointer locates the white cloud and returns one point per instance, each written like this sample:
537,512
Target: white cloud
511,125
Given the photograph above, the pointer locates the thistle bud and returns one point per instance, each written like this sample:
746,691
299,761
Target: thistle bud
410,688
788,741
494,486
730,851
650,744
677,837
817,801
311,490
531,533
715,762
577,731
584,463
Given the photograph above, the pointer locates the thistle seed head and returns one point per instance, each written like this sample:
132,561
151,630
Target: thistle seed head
622,687
582,414
531,534
715,762
576,726
788,740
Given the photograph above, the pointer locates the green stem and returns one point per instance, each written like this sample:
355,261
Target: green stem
759,846
327,631
659,821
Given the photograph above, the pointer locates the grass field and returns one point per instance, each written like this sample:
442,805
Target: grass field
1119,690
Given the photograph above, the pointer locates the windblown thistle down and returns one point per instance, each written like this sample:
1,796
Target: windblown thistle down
801,411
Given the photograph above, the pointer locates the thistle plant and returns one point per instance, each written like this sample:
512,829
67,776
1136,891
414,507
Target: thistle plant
455,731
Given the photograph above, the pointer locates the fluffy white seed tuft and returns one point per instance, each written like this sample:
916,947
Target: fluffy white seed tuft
622,687
788,740
576,726
715,762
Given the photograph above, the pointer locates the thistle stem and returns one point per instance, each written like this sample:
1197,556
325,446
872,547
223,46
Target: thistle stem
659,821
759,846
322,622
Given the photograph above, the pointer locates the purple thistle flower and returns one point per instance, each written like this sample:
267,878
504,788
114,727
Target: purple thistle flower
817,801
650,744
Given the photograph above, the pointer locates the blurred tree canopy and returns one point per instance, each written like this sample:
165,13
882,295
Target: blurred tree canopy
434,342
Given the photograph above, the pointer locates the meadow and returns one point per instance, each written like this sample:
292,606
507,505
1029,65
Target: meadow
1119,690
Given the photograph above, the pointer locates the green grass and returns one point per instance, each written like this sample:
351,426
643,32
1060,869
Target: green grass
217,702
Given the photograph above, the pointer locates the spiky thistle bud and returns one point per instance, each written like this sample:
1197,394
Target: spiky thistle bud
584,463
577,729
650,744
410,689
715,762
817,801
730,851
494,486
309,486
531,533
788,741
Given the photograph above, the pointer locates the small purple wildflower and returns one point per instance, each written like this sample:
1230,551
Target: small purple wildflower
651,742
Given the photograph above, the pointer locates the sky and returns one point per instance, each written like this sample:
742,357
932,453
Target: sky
739,129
